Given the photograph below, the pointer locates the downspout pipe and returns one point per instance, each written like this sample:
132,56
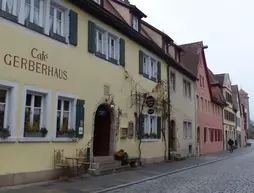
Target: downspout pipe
169,114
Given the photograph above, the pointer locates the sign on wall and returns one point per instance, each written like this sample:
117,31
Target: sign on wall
37,64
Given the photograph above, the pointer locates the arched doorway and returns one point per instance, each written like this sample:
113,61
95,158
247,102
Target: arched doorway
102,131
173,135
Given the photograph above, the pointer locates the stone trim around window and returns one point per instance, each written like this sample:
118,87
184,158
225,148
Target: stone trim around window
73,99
12,108
46,112
44,29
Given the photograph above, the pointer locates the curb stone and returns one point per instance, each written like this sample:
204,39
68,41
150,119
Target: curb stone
165,174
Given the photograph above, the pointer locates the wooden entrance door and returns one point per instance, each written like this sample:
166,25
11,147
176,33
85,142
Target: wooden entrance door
102,129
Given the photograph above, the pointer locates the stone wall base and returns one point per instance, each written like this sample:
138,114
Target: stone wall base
30,177
152,160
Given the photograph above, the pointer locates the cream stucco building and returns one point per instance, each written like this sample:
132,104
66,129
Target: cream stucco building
76,70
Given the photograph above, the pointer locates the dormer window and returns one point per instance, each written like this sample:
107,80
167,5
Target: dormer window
135,23
97,1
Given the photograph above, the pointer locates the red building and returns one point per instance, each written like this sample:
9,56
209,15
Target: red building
210,100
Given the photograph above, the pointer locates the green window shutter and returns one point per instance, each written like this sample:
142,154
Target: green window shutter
91,37
80,116
158,127
141,55
141,126
73,28
122,52
159,71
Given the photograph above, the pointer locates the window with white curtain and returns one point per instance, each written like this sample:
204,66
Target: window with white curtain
3,105
100,41
150,124
10,6
33,112
34,12
64,109
150,66
56,20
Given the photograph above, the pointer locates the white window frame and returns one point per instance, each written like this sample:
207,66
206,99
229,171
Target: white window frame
65,10
46,112
106,35
185,129
11,108
135,23
45,15
187,89
173,84
41,12
148,125
189,130
56,9
73,101
15,7
97,1
32,107
148,64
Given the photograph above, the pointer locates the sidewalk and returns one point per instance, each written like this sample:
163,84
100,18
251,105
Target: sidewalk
97,183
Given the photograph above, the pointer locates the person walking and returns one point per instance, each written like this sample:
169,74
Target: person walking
230,143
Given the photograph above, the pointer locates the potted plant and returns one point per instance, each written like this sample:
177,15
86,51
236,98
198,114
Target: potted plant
147,136
44,131
33,130
72,133
122,156
153,135
4,133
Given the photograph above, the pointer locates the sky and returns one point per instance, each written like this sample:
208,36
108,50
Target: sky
226,26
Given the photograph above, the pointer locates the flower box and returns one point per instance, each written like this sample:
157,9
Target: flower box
33,134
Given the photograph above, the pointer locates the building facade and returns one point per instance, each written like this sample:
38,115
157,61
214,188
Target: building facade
209,110
237,109
228,111
244,98
182,136
81,75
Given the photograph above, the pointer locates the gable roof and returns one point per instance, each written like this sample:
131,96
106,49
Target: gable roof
131,7
190,57
242,92
110,19
220,78
216,92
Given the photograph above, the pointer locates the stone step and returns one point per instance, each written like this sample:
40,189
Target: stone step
106,171
105,165
103,159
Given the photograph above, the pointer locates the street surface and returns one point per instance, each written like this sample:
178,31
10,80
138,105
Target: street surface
234,175
222,173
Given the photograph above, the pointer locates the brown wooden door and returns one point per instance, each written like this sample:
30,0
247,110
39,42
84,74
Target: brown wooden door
102,131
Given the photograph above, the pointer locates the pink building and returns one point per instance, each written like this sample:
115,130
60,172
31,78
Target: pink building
210,100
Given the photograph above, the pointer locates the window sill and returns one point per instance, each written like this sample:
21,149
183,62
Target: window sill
150,140
8,140
103,56
34,139
34,27
28,25
8,16
64,139
57,37
150,78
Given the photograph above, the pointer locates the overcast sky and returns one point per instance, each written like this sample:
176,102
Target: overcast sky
226,26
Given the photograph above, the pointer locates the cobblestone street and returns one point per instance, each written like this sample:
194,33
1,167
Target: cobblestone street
216,173
231,175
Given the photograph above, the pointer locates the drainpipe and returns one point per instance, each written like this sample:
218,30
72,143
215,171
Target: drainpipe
169,113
